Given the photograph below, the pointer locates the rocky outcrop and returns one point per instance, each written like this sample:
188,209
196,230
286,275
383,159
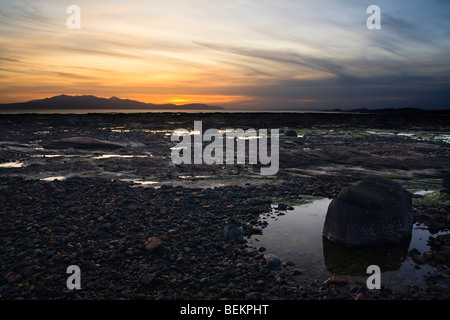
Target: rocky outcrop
375,211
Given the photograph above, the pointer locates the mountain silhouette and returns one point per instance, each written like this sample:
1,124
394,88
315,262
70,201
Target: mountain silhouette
92,102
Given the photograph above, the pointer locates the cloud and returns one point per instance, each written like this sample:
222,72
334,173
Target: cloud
292,53
285,56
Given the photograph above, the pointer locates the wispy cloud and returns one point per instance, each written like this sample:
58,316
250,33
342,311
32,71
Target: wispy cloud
258,53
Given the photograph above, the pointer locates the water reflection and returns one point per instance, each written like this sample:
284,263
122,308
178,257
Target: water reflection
345,261
297,236
15,164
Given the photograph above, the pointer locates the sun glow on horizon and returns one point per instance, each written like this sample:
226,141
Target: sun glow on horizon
251,53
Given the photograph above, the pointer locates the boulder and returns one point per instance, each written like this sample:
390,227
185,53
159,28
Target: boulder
375,211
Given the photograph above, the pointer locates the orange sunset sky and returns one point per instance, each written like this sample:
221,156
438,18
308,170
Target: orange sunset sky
236,54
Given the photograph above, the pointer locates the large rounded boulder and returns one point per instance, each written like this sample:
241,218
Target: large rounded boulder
375,211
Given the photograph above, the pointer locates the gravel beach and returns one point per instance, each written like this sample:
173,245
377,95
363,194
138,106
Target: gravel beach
172,240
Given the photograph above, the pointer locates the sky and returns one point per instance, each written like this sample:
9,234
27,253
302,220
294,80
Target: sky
238,54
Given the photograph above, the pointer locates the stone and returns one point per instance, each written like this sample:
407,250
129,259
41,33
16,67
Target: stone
11,277
272,261
419,259
445,251
297,271
232,232
152,243
147,278
375,211
446,180
428,255
338,280
440,258
291,133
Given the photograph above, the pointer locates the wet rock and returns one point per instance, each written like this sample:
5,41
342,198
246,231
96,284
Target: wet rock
232,232
250,230
375,211
272,261
419,259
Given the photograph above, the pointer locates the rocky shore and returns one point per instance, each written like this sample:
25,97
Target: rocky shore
167,243
100,192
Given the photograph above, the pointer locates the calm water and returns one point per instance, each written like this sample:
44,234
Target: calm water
297,236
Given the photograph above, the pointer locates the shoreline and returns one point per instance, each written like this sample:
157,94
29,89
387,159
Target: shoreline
93,219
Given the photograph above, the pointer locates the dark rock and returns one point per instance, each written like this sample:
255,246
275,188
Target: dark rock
445,251
282,206
291,133
428,255
414,252
11,277
232,232
419,259
254,230
189,209
89,208
440,258
272,261
446,180
147,278
375,211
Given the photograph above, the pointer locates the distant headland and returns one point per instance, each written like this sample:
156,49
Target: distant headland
63,102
